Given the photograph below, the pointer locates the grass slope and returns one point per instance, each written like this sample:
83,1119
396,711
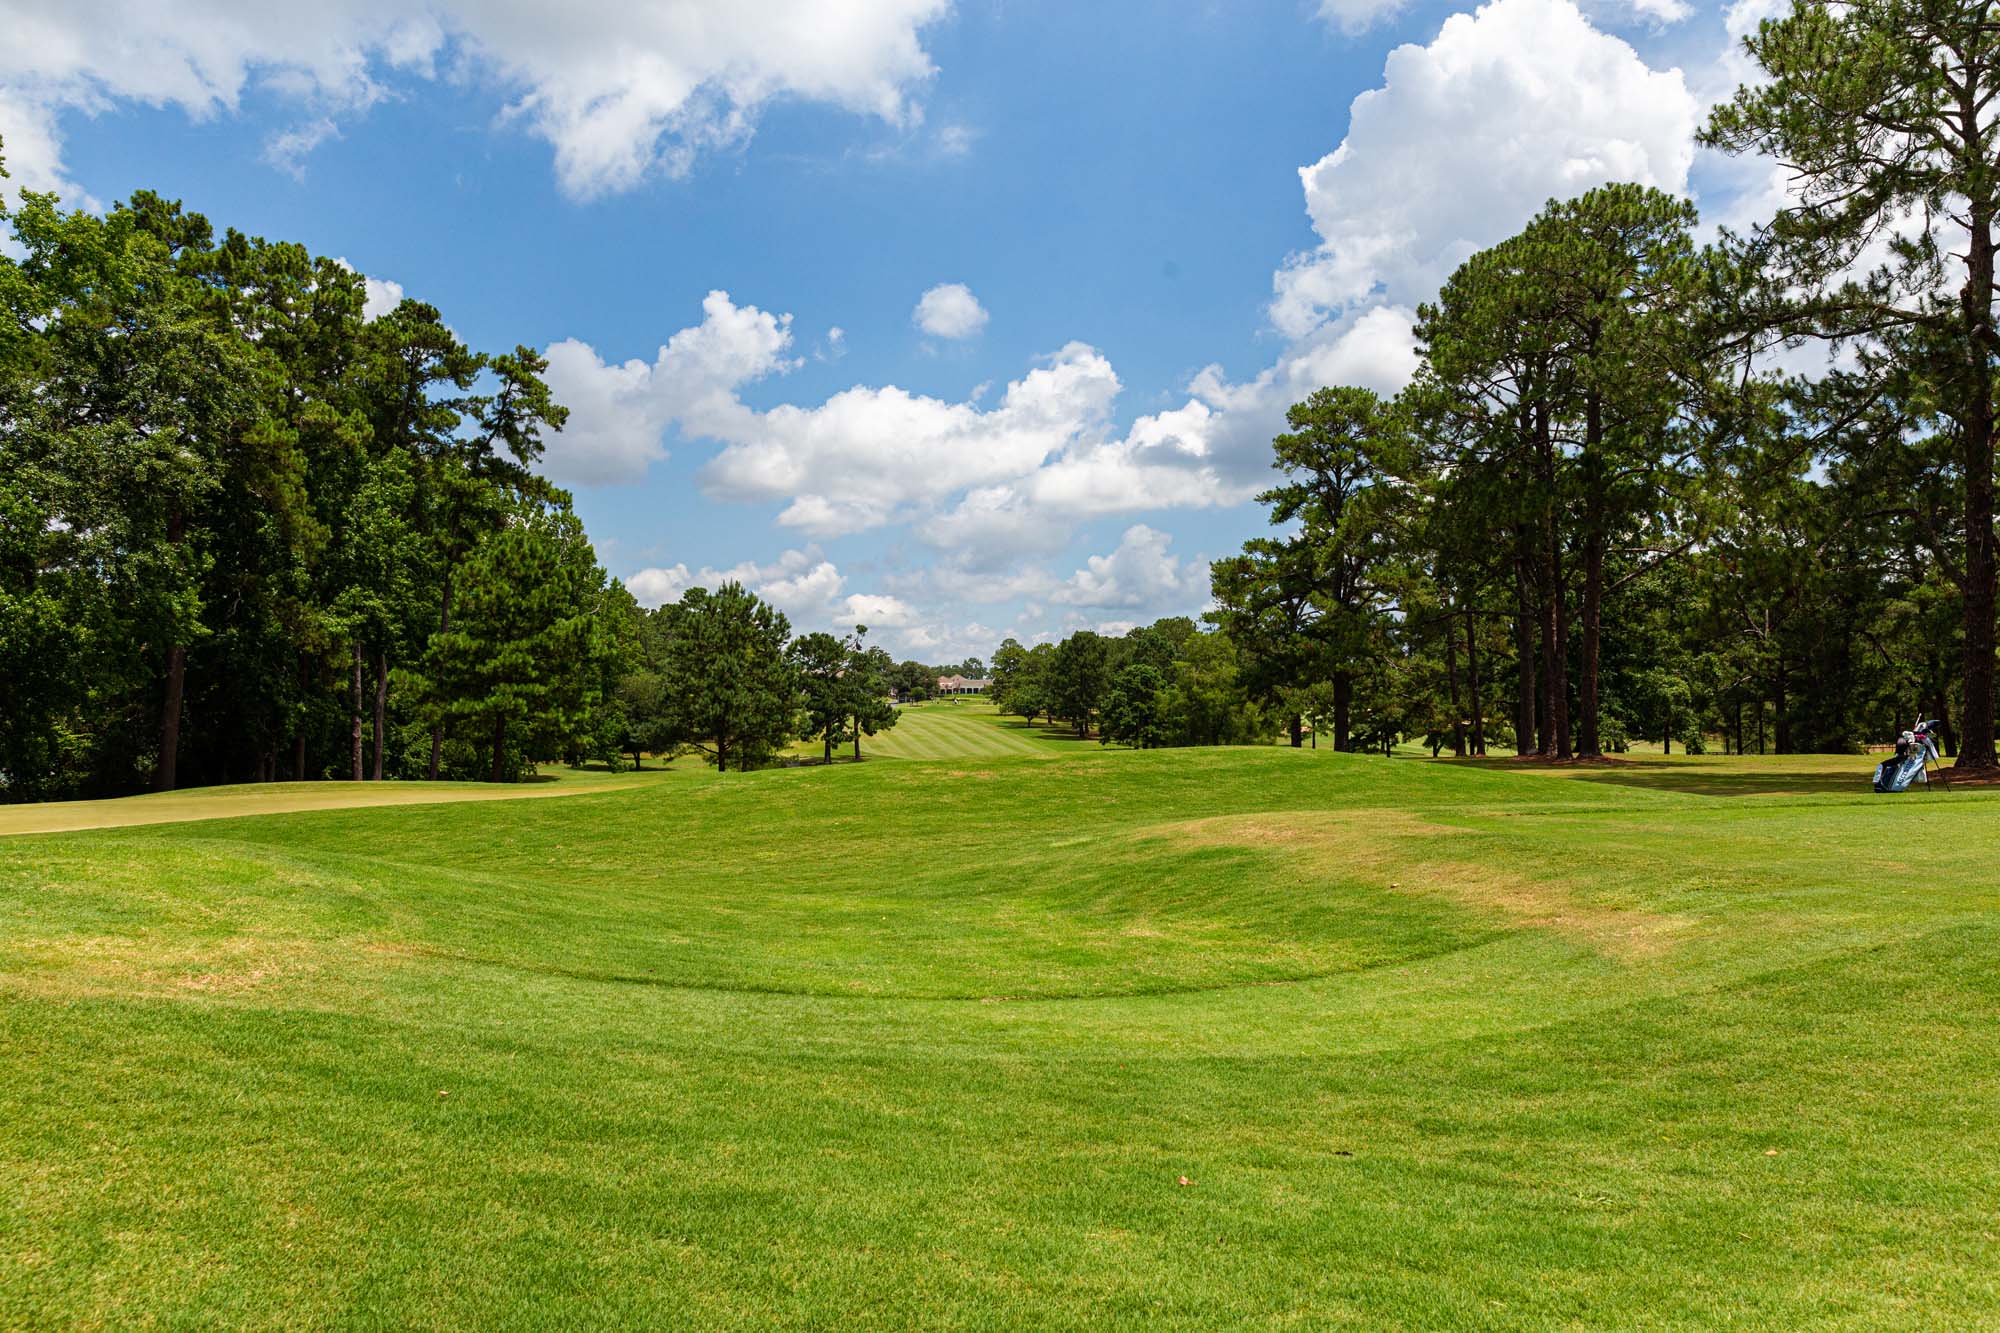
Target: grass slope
963,728
274,798
935,1043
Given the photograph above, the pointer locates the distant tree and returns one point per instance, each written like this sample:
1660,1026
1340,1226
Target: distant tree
912,682
730,691
1341,445
1133,711
1881,113
1078,676
1205,702
826,695
1018,679
867,692
1314,703
1158,644
1265,604
522,648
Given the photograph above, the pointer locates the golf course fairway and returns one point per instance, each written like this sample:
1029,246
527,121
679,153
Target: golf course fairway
1076,1037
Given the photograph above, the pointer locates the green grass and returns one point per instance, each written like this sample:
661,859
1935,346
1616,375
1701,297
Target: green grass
271,798
963,728
1699,1043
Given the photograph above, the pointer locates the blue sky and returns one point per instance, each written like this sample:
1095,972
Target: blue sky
722,221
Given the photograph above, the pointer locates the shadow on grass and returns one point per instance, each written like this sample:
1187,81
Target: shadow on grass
1755,775
1048,731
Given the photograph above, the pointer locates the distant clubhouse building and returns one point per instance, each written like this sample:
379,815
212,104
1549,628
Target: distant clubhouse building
962,685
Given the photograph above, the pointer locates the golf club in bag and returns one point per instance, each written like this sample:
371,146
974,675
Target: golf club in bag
1916,751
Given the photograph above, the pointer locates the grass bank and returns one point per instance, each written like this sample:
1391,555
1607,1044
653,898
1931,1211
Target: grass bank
937,1043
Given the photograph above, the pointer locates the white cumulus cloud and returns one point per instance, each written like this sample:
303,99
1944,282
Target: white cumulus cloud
949,310
619,90
619,414
1141,575
1512,105
802,584
1465,139
867,455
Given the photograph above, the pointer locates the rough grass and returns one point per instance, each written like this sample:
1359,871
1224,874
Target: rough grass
934,1044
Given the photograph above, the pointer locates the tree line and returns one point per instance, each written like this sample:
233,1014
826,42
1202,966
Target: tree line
1598,511
248,533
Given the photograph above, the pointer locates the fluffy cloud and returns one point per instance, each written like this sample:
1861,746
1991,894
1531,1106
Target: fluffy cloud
618,90
32,148
620,413
1512,105
802,584
380,295
657,586
1662,11
949,310
879,610
867,455
1459,147
383,297
1466,138
947,643
1141,575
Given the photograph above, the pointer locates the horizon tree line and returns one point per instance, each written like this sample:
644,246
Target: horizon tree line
248,533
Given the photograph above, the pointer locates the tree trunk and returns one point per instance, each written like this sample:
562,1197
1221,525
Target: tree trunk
166,775
1940,710
857,737
1524,655
1588,742
1781,722
1545,731
354,715
1451,679
1555,611
1299,733
299,737
499,745
827,758
381,710
437,727
1976,434
1560,670
1343,709
1472,682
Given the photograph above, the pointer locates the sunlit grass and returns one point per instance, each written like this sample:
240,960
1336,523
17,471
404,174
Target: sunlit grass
934,1043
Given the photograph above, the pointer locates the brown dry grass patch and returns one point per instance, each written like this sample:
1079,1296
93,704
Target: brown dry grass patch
1394,850
79,966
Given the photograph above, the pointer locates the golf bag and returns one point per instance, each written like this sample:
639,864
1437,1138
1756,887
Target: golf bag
1915,751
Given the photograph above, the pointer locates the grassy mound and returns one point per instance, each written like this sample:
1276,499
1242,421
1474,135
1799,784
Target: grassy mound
936,1043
